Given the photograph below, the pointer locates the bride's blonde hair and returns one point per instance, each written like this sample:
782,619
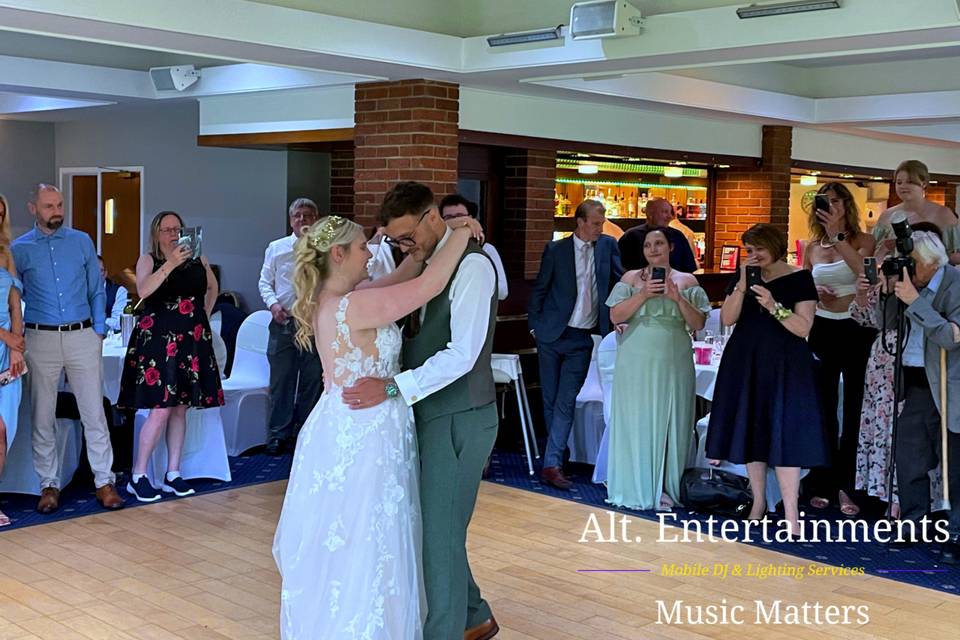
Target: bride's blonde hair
312,267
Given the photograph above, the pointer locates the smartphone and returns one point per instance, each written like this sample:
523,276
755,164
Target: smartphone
753,277
821,201
870,269
658,273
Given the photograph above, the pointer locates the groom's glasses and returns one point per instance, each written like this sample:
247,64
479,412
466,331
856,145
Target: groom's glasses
407,239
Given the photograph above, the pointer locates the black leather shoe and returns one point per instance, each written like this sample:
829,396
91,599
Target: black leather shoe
274,447
950,552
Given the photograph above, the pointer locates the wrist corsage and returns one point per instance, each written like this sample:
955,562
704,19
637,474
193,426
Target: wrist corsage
780,312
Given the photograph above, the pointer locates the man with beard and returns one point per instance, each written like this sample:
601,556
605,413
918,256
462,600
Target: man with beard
64,320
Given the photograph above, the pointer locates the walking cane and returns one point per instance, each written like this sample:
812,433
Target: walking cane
943,424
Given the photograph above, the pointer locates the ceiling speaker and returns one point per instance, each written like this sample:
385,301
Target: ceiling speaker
174,78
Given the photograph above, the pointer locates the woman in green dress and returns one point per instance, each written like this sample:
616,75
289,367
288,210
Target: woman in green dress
651,421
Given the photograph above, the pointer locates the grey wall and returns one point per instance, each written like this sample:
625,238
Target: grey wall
308,176
239,196
26,157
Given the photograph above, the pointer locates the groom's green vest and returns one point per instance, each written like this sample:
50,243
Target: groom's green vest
476,388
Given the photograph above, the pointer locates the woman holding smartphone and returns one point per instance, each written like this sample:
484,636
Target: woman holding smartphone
766,401
11,342
170,363
910,181
654,379
834,256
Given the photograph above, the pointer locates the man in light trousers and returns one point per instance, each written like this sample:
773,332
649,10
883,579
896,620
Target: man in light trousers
64,322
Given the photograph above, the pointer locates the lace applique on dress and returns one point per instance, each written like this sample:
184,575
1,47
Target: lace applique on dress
347,544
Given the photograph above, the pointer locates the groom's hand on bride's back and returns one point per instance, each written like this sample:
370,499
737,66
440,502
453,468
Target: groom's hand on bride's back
366,393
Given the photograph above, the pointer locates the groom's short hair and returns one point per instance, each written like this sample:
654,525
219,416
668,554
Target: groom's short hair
406,198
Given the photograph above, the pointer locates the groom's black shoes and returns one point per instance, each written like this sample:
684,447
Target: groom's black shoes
554,476
274,447
483,631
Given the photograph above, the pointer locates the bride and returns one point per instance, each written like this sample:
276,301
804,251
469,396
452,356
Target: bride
348,541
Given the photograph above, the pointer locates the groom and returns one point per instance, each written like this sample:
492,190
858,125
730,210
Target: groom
448,380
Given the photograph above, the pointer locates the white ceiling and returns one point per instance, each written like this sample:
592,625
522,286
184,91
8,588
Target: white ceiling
879,66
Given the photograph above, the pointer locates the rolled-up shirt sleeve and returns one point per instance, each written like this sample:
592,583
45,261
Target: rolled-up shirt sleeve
472,289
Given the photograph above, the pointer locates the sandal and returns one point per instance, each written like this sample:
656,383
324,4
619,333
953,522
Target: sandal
847,506
819,503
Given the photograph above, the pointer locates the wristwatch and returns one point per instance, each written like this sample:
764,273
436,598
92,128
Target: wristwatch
840,237
391,389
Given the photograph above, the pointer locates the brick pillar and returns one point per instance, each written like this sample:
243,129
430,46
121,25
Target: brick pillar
341,182
526,224
744,198
404,130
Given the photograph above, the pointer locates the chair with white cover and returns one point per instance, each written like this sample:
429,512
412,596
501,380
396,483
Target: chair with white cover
204,452
588,420
19,475
506,370
247,390
606,363
698,459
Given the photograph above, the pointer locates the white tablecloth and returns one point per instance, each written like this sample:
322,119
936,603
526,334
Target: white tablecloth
18,476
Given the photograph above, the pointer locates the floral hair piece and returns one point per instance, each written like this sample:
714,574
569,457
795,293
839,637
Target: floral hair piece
326,233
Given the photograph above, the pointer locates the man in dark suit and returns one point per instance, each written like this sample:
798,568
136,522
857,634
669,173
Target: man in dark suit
567,306
659,214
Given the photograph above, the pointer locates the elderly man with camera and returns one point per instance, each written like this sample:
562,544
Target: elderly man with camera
930,292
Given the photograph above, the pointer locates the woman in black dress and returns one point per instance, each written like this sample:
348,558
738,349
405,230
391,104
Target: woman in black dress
170,364
766,404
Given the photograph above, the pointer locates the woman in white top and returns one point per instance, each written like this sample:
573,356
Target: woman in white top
835,255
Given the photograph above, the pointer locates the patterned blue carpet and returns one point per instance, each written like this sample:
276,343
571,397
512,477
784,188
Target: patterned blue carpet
78,498
917,565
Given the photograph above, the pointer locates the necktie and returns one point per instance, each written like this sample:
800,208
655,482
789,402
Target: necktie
589,280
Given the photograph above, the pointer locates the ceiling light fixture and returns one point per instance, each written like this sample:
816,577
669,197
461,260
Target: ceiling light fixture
604,19
785,8
588,169
673,172
808,181
525,37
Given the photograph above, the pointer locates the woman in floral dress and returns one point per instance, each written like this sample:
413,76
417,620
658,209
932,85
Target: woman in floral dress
170,364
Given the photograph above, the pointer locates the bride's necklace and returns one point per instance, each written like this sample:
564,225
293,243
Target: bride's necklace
827,245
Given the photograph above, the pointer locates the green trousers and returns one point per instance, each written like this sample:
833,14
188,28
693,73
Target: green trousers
453,451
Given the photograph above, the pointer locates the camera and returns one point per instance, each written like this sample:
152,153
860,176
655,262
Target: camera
894,265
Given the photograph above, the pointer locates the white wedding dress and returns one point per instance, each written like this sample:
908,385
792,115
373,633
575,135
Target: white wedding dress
348,541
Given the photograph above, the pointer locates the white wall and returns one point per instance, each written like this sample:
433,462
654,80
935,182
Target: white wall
839,148
543,117
26,158
288,110
237,195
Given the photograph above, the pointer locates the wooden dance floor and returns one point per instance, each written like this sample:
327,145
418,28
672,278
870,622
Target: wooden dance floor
201,569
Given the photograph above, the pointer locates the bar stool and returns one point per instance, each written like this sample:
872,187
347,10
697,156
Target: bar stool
506,370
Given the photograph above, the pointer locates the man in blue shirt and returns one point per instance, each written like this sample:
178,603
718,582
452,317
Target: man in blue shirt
64,320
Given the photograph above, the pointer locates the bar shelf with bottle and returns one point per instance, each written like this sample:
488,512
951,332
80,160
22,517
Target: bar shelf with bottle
625,196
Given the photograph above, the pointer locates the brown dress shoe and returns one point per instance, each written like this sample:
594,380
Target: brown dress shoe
49,500
483,631
554,476
109,498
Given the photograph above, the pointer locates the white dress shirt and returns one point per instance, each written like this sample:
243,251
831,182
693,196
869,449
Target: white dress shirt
584,314
502,289
381,263
473,285
276,277
119,303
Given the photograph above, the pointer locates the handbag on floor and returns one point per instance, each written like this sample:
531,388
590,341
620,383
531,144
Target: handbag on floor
716,491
